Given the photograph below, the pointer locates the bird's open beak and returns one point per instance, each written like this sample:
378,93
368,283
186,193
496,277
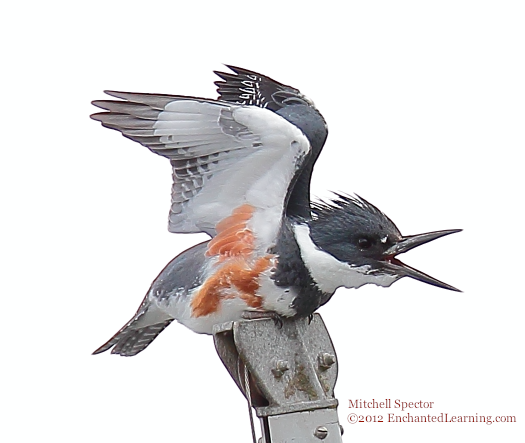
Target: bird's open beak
410,242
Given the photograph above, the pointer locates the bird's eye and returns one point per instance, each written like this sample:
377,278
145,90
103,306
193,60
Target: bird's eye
364,243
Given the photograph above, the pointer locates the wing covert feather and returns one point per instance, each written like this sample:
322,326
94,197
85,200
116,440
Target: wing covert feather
223,155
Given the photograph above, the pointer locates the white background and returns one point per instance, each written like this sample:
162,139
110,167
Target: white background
425,103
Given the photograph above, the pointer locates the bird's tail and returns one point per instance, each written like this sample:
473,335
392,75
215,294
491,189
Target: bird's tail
134,337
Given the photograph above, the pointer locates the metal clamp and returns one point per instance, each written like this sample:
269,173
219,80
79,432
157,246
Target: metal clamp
293,371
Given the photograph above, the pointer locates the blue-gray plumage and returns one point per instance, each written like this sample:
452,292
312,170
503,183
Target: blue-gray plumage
312,124
180,276
184,273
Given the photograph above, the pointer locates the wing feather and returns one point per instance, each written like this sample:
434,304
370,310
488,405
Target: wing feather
251,88
223,155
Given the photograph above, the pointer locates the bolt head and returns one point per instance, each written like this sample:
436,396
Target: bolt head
321,432
326,360
281,366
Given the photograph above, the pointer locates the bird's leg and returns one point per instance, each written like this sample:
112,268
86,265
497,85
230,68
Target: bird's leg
254,315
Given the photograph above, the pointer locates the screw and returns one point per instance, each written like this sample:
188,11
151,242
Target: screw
281,366
326,360
321,432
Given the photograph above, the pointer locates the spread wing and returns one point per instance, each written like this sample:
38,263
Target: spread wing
251,88
229,161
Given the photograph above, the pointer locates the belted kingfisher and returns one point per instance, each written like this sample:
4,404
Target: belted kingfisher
241,173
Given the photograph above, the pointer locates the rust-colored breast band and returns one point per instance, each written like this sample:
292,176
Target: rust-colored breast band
233,236
233,277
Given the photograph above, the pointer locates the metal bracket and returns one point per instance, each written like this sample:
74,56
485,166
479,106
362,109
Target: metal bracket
293,371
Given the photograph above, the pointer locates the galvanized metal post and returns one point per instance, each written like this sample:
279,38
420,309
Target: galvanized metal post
292,374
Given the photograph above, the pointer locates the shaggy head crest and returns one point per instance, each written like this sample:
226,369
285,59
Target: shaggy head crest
353,207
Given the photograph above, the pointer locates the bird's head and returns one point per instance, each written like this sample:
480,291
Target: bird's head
359,235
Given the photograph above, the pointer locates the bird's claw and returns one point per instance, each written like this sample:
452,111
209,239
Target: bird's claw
254,315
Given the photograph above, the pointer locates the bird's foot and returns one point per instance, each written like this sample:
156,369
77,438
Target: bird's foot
254,315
